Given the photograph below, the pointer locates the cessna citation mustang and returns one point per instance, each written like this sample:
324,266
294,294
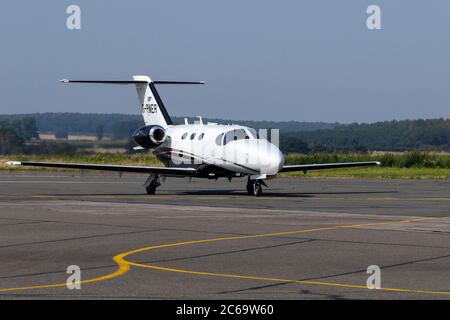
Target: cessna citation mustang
196,150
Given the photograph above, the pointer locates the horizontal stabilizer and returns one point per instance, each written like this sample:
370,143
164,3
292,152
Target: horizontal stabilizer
178,82
104,81
131,81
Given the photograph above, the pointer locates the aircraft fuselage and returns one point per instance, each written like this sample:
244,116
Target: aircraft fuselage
226,150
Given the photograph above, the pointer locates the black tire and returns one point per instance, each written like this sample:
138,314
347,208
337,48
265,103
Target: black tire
151,189
257,189
249,188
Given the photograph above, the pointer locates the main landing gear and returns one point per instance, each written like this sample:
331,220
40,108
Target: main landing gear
254,187
151,184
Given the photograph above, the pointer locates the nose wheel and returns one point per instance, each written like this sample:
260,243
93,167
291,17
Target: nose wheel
254,187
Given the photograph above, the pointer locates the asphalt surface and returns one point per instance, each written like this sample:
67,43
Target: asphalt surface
303,239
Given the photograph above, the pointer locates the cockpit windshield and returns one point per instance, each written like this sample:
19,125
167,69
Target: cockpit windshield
253,133
236,134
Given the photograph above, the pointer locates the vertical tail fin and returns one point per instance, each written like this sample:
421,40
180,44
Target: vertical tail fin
153,109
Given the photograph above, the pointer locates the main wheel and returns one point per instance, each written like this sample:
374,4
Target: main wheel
257,189
249,187
151,188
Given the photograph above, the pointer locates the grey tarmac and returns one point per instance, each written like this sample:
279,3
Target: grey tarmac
303,239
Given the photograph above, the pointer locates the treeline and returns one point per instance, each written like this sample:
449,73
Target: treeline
119,124
20,132
427,135
79,123
14,133
20,136
24,127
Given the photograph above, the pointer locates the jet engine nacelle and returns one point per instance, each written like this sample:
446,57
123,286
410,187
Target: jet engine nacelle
149,136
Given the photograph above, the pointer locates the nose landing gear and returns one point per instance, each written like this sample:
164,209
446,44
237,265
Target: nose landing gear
254,187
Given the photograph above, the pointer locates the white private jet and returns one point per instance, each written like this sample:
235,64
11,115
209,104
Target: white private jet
196,150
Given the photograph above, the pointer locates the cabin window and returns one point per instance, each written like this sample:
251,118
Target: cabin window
184,136
200,137
193,136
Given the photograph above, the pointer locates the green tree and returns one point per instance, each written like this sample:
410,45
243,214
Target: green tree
61,133
10,142
124,129
99,131
29,128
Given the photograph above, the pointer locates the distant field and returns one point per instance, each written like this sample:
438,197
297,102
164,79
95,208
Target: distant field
377,173
414,165
71,137
80,144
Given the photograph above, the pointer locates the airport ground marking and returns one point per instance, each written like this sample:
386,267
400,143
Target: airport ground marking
307,282
250,277
124,265
123,268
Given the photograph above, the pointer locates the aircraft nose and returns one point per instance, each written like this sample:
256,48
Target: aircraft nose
276,160
280,160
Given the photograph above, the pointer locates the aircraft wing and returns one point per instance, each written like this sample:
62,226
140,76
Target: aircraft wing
110,167
307,167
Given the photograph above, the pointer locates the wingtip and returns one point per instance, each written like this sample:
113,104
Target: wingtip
64,81
378,163
14,163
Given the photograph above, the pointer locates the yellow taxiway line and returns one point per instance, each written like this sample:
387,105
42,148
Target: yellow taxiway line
124,265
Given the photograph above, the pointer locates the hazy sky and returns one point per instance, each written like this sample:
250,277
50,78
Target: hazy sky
312,60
